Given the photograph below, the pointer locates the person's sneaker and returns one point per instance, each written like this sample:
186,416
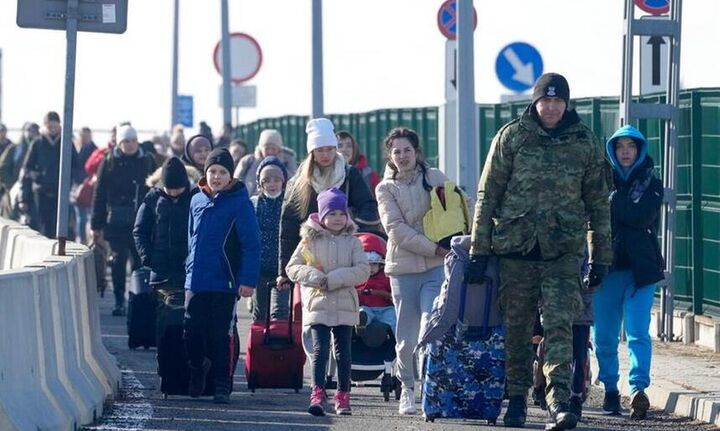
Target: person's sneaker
562,418
575,406
317,401
516,413
639,405
196,386
119,310
342,403
407,402
611,403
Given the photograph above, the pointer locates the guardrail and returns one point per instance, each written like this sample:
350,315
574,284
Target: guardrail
55,373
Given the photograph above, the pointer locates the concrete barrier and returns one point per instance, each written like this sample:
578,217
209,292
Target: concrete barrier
57,374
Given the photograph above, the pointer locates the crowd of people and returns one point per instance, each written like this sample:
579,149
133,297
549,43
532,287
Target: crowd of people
573,227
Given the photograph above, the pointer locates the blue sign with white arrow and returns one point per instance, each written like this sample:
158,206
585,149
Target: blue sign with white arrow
185,110
518,66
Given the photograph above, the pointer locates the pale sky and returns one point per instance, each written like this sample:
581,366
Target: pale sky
378,54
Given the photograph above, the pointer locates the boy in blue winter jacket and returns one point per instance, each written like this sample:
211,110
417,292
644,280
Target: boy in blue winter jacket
223,262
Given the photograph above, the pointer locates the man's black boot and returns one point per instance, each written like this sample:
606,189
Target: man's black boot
575,406
516,412
196,386
561,417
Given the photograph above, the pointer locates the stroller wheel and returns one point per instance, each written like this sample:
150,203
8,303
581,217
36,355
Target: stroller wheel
398,388
386,396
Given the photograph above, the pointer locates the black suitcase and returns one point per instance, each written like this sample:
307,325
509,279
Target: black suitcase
141,311
172,359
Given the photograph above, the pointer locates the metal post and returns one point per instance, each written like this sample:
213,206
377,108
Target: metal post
66,145
467,160
669,177
227,109
317,60
1,81
627,72
174,109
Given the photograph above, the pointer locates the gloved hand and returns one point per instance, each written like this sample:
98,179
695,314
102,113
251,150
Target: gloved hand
596,273
475,269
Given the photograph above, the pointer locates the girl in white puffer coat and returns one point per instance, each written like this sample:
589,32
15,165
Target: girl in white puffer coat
328,263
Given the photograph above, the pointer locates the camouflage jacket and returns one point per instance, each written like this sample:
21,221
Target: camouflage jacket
541,189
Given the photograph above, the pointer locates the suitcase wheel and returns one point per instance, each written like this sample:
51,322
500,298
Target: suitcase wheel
492,422
429,419
398,388
386,396
165,396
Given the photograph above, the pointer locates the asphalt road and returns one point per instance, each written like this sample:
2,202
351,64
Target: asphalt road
141,406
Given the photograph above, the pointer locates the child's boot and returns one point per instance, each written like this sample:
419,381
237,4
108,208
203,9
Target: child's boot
342,403
317,401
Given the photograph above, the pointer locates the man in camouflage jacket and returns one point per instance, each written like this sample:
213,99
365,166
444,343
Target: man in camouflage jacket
541,196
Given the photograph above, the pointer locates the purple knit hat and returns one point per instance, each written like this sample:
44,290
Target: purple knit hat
331,200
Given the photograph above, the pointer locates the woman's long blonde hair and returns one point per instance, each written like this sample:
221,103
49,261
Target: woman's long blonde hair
302,191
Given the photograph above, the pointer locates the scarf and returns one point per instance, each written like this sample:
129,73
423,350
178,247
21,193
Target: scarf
334,177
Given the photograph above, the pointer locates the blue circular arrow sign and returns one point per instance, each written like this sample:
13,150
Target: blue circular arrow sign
518,66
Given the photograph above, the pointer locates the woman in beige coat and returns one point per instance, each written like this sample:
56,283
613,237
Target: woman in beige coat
413,262
328,263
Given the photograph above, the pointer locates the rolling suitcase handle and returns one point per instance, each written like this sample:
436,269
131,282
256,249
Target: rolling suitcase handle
266,332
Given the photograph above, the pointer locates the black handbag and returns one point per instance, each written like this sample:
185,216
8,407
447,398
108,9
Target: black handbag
140,281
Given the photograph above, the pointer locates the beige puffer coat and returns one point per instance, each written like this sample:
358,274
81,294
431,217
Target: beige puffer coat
328,267
402,203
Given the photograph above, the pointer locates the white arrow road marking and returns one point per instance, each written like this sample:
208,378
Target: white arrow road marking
524,72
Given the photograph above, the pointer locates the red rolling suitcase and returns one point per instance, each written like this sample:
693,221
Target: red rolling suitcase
275,357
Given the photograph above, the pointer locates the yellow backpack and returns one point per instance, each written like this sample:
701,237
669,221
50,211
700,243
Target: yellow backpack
448,214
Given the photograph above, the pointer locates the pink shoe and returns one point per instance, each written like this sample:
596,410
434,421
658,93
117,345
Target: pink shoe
317,401
342,403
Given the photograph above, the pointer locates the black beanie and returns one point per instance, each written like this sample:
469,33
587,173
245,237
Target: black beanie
222,157
174,175
551,85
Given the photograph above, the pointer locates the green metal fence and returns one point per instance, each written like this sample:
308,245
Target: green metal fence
697,241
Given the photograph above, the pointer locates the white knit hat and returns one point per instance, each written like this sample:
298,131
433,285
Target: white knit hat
374,257
320,133
125,132
270,136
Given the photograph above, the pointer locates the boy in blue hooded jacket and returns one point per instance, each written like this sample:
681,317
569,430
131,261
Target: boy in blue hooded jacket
223,262
627,293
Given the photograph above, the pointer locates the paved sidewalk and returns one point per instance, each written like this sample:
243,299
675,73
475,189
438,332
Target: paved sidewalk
685,380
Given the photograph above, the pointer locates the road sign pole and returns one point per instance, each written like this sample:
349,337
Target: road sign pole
66,145
174,109
317,60
226,58
467,165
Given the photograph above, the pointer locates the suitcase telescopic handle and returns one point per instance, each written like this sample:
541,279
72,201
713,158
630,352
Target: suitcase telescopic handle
272,285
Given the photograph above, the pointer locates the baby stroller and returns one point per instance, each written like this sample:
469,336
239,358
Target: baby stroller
373,357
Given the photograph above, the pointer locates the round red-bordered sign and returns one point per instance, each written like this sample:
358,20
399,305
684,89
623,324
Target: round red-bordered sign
247,58
447,19
655,7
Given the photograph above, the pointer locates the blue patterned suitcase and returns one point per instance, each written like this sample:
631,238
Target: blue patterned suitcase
464,370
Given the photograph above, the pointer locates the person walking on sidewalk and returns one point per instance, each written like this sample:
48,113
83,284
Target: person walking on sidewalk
328,263
543,180
223,262
161,227
271,180
627,293
119,190
413,262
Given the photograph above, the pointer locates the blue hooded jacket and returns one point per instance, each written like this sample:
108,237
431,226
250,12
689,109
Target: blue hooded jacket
634,210
626,132
223,241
